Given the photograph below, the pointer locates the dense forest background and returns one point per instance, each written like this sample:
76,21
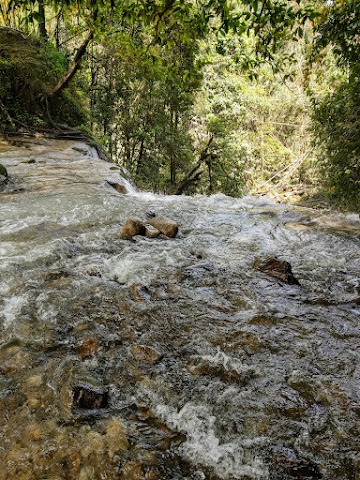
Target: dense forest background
232,96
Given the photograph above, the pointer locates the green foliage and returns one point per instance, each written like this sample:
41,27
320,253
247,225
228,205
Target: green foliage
337,112
339,27
259,124
141,97
337,122
142,83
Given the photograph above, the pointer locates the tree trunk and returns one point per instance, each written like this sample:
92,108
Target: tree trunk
42,21
140,157
173,154
74,67
193,175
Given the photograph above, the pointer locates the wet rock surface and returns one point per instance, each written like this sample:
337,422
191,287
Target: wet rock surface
3,173
4,177
277,268
286,464
150,231
166,226
132,228
145,354
89,398
151,228
256,379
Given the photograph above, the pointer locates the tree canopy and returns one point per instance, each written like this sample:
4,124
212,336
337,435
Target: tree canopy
193,96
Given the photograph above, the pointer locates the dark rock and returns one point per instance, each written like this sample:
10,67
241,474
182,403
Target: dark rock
4,177
276,268
150,214
132,228
165,226
287,465
119,187
80,150
55,275
89,398
3,172
201,270
140,293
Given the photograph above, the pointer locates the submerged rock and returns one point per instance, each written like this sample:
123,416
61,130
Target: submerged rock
165,226
116,438
286,464
89,398
228,375
276,268
88,348
132,470
145,354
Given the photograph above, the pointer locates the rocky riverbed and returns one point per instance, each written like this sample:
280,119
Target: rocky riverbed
171,358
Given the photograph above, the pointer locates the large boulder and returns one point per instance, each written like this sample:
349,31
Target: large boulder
166,226
276,268
132,228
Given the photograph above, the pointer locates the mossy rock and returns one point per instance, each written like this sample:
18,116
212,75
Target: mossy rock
29,69
3,171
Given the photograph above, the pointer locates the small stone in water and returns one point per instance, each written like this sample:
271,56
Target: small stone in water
165,226
151,232
132,471
89,398
3,171
35,381
277,268
119,187
145,354
132,228
88,348
116,438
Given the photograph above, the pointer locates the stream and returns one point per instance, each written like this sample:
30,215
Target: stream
170,359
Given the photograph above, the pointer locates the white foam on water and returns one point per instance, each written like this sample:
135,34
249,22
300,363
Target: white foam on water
142,266
12,308
202,447
229,363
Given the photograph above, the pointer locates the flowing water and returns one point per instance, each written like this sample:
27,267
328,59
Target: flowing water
171,358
